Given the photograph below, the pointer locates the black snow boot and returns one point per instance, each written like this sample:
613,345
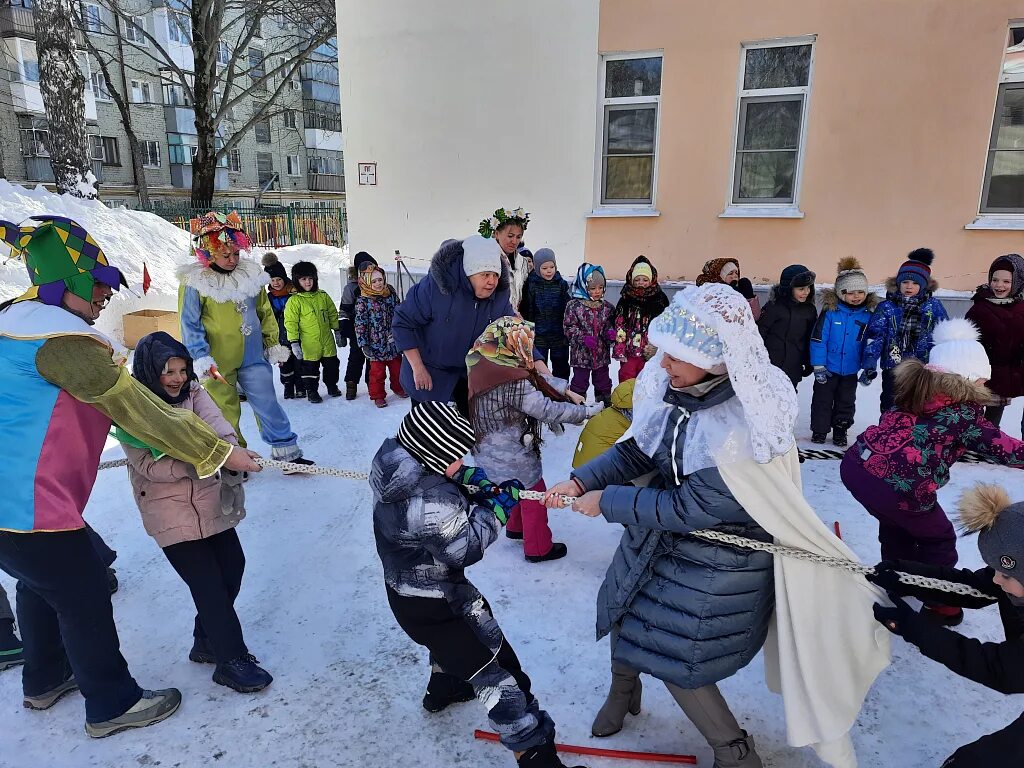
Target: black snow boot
818,438
334,391
350,390
314,396
444,689
543,756
112,584
201,652
12,653
289,391
839,437
243,674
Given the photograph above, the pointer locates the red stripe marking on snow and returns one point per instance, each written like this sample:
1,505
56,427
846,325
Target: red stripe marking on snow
839,534
618,754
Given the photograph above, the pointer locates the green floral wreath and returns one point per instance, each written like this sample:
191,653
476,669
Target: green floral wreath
504,216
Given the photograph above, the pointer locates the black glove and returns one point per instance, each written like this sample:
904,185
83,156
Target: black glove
745,288
885,577
339,338
806,370
899,619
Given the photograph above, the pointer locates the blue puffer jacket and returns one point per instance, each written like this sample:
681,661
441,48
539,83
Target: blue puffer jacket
442,317
689,612
838,339
885,331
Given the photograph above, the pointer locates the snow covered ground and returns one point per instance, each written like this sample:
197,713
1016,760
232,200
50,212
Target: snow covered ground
348,682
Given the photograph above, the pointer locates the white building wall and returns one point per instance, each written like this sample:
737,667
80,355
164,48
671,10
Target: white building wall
464,111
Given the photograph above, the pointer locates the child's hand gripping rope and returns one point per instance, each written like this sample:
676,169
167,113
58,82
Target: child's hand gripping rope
499,498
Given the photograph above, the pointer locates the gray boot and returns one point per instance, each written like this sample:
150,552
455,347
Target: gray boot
624,696
709,712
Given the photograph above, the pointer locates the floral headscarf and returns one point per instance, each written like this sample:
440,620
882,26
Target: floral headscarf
215,233
508,341
587,276
366,280
712,272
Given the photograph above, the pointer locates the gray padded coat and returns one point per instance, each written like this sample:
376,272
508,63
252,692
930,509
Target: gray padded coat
689,612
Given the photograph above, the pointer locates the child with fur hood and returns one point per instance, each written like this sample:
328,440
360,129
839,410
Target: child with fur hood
279,291
588,327
429,528
895,469
998,311
987,511
375,311
641,301
787,321
311,322
837,347
901,327
508,402
193,520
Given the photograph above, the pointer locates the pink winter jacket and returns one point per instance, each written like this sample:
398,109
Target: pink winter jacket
176,505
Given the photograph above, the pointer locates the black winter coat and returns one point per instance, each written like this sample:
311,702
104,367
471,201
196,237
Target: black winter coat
1002,335
786,329
999,666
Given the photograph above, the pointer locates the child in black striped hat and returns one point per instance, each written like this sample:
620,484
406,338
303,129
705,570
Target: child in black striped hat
429,527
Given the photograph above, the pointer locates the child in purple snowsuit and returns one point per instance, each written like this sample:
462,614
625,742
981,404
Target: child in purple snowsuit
588,327
894,469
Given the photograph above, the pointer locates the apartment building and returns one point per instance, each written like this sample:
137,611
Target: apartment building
292,157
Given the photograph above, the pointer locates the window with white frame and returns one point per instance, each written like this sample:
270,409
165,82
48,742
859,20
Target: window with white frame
293,165
28,60
100,90
151,154
235,161
223,53
179,27
629,128
92,18
142,92
775,82
133,30
1003,191
105,149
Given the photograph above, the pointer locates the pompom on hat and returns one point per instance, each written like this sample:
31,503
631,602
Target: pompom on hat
957,350
215,234
917,267
60,256
987,510
850,277
273,267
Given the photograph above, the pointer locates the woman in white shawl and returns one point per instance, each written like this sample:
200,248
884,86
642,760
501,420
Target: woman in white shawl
715,420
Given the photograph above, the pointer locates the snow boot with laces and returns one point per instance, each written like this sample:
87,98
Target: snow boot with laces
201,652
839,439
444,690
543,756
623,697
243,674
153,707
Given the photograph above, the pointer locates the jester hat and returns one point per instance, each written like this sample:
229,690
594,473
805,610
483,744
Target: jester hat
215,233
60,256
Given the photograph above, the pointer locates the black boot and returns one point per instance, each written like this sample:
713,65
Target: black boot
543,756
334,391
12,653
289,391
201,652
112,584
839,437
243,674
558,550
818,438
350,390
444,689
314,396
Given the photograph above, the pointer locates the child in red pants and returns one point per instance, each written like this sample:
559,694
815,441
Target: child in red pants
508,402
641,301
375,309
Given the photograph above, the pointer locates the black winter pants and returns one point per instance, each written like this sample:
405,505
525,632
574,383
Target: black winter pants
888,389
212,568
497,678
289,370
356,362
1005,747
311,372
834,403
559,360
107,555
65,617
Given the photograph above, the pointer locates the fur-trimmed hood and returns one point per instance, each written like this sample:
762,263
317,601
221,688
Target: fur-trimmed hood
244,282
446,270
891,286
830,301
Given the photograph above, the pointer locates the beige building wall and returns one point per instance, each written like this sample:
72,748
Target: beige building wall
900,113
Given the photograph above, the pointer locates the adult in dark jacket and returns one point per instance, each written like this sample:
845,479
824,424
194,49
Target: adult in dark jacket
686,611
985,509
998,311
465,290
787,321
346,325
544,300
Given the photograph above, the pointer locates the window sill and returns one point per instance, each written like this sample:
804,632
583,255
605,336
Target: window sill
992,221
761,212
623,212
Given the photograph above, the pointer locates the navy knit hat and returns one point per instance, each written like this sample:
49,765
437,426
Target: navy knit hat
436,435
917,267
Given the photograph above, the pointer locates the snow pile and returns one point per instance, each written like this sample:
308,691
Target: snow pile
131,239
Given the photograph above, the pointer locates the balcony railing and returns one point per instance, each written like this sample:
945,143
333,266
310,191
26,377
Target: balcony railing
16,22
325,182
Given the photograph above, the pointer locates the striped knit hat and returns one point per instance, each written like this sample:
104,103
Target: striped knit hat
436,435
917,267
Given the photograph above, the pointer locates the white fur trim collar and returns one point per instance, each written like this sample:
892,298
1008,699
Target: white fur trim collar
247,280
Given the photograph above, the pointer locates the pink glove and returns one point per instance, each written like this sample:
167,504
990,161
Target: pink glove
590,343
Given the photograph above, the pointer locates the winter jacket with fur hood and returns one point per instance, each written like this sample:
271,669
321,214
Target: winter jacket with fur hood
838,339
176,505
689,612
427,530
1001,325
786,328
885,338
442,318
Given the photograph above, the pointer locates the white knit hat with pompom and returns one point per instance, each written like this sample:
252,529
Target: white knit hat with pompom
958,351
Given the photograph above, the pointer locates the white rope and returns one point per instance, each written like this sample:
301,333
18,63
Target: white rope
718,537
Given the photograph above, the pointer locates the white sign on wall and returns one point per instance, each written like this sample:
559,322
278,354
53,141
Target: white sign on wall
368,174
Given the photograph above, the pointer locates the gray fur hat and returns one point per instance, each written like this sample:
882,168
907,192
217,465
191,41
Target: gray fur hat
1014,264
987,510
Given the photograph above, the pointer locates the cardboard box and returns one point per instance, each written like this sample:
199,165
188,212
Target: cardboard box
144,321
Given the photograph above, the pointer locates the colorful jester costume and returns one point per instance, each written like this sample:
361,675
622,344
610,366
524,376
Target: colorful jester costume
228,326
